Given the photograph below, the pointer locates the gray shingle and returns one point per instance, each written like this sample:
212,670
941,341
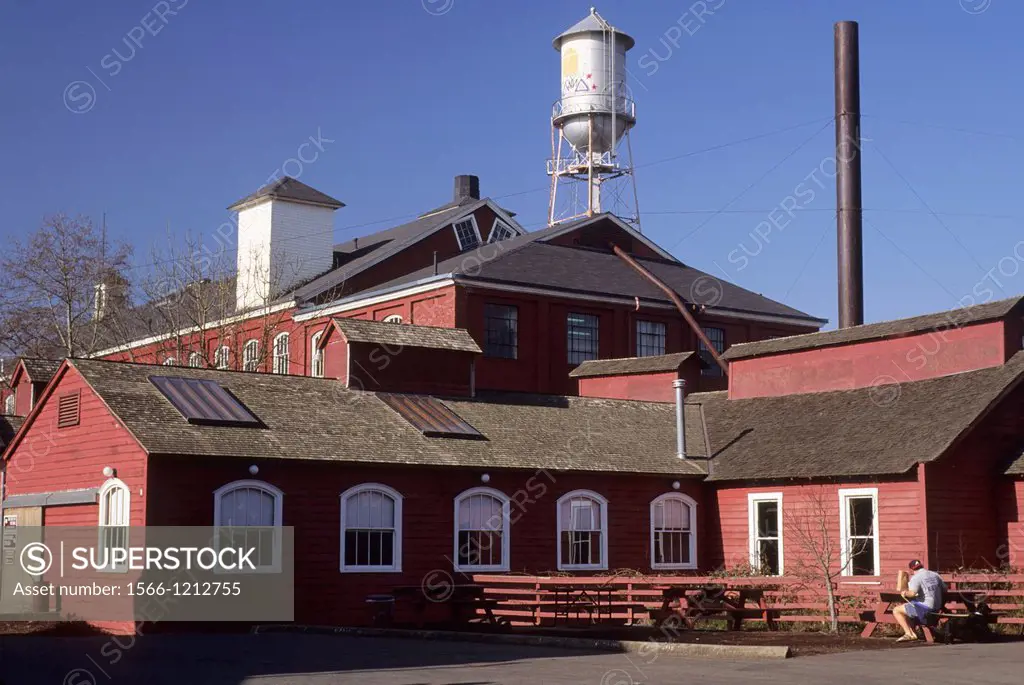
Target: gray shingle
631,365
289,188
9,425
868,431
434,337
311,418
40,370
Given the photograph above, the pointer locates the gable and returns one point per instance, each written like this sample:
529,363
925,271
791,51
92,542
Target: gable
599,235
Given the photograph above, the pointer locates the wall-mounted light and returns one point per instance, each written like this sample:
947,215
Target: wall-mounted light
253,470
675,485
486,478
109,471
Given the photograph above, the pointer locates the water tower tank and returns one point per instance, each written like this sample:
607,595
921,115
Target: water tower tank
593,85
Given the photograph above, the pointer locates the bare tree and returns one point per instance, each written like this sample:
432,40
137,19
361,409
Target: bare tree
56,286
821,556
191,304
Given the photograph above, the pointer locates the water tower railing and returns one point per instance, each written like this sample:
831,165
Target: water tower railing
623,106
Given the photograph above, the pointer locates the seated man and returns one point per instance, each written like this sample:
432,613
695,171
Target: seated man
926,593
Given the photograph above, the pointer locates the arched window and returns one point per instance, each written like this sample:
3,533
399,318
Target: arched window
393,318
482,530
316,356
251,355
281,353
582,531
195,360
9,405
673,532
247,515
115,518
371,529
222,357
170,361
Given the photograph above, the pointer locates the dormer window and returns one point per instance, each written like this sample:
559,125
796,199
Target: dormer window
467,233
500,231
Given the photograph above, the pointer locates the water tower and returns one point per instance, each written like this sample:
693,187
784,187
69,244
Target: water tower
589,123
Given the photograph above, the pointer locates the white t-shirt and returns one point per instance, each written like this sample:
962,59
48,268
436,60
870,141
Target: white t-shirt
928,587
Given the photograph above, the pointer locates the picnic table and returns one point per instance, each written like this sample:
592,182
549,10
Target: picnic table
574,601
686,603
887,601
463,602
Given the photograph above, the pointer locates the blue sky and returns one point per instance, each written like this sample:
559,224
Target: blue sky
404,94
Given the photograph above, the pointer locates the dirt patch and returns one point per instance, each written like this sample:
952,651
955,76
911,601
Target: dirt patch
48,628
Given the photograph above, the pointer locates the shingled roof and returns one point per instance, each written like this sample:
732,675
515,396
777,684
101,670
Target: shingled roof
1016,468
873,331
434,337
320,419
289,188
864,432
662,363
40,370
530,261
9,425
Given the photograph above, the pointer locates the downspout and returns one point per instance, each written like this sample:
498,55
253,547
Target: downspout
676,301
680,385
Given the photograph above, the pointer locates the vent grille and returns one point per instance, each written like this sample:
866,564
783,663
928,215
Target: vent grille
69,410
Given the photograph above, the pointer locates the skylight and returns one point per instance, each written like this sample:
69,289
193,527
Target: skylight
430,416
204,402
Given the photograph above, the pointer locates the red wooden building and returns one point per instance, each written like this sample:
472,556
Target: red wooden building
812,428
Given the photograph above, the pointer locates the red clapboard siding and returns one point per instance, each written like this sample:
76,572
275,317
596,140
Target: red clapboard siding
899,503
49,458
1011,517
311,505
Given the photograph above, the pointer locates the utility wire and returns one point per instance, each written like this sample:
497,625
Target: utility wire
752,185
922,124
810,258
931,211
912,260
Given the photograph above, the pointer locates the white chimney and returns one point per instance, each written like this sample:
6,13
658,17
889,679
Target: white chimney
285,237
680,386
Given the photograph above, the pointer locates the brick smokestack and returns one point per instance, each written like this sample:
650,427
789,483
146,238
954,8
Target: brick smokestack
466,186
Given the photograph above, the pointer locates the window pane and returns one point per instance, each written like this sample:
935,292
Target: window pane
768,519
768,554
671,547
480,548
862,516
581,547
466,235
582,337
862,557
501,331
650,338
717,338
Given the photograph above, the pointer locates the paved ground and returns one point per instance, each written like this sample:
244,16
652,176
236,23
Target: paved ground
320,659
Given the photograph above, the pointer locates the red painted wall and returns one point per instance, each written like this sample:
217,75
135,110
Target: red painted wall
23,396
879,362
1011,517
963,510
599,235
542,365
49,458
395,368
182,494
651,387
901,534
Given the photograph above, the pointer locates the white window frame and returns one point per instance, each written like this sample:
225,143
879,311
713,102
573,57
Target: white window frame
472,219
844,527
171,361
282,360
506,530
219,493
498,223
251,362
222,357
692,504
396,497
603,503
753,498
195,361
393,318
316,356
104,513
9,405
